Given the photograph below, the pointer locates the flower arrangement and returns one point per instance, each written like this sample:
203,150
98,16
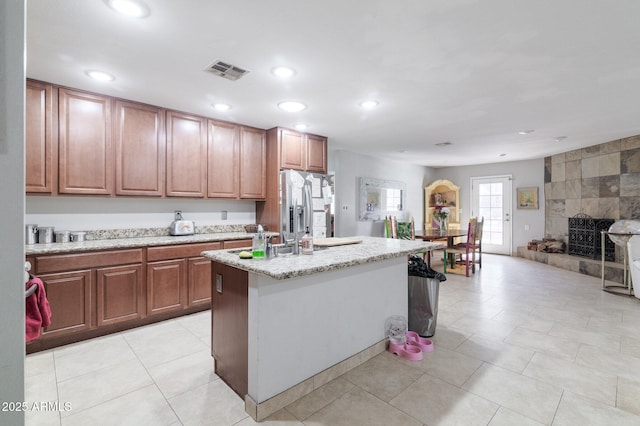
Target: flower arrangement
441,212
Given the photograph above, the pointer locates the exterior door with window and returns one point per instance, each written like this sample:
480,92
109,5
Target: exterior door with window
491,199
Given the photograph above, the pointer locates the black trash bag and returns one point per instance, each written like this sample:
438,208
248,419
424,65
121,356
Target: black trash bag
418,268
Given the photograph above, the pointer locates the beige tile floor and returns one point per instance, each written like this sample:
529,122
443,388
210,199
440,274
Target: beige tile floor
519,343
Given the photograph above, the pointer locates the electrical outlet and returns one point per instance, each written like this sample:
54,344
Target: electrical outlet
345,207
223,215
526,227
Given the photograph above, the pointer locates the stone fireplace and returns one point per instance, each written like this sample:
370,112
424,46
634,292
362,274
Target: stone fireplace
600,181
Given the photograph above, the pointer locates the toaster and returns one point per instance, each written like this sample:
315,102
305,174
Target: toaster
182,227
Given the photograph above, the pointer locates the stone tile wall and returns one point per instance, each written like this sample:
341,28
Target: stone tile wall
602,181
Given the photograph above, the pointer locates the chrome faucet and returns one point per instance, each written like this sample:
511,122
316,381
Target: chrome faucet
293,242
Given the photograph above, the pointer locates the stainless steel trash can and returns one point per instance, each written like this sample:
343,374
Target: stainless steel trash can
423,305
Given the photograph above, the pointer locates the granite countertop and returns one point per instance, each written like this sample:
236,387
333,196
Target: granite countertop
371,249
122,243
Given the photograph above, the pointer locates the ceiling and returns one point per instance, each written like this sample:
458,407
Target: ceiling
469,72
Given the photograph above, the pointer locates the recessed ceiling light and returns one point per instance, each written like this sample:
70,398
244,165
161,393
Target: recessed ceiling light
283,72
132,8
100,75
222,107
560,138
502,155
301,126
369,104
292,106
525,132
443,144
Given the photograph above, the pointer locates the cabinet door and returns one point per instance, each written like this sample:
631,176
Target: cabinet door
253,163
292,150
316,154
199,281
69,296
222,164
40,143
186,155
86,150
166,286
229,325
140,149
119,294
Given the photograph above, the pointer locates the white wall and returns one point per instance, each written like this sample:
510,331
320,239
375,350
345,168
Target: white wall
91,213
12,78
349,167
524,173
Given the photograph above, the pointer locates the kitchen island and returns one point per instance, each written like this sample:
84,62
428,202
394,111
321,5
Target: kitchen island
285,326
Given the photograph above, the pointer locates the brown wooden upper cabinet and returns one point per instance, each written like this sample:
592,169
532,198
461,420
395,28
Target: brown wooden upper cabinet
41,138
223,156
186,155
85,146
301,151
84,143
236,161
253,163
140,149
316,154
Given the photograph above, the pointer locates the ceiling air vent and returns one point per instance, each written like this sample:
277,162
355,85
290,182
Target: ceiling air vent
226,70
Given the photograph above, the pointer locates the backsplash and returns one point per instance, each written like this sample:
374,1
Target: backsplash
108,234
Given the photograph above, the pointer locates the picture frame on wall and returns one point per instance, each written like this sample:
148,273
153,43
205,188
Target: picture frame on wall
527,197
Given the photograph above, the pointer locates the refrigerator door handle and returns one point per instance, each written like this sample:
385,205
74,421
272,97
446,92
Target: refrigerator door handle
308,208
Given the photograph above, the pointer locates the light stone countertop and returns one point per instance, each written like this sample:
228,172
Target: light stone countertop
122,243
372,249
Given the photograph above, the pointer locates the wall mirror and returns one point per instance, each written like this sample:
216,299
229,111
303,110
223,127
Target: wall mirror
380,198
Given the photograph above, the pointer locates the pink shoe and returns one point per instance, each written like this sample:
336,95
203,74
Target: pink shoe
414,339
407,351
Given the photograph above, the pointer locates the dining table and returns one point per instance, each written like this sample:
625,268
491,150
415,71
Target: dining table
432,234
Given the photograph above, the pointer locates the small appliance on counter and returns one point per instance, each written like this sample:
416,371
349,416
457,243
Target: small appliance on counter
180,226
45,234
62,236
76,236
31,234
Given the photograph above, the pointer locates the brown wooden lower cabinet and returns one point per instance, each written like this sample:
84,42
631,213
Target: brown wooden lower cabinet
231,244
101,292
166,286
199,281
69,296
229,325
119,294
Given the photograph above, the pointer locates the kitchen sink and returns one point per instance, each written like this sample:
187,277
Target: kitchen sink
282,250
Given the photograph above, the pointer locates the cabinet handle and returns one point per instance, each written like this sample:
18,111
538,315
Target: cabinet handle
219,283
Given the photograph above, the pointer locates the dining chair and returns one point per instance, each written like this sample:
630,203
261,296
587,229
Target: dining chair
402,231
464,253
399,230
478,244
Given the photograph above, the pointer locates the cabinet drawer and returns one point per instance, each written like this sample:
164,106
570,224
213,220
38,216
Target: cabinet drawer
180,251
237,244
68,262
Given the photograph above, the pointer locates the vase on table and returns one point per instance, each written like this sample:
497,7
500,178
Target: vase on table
443,225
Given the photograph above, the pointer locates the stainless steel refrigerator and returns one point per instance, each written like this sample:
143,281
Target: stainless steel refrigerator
305,201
